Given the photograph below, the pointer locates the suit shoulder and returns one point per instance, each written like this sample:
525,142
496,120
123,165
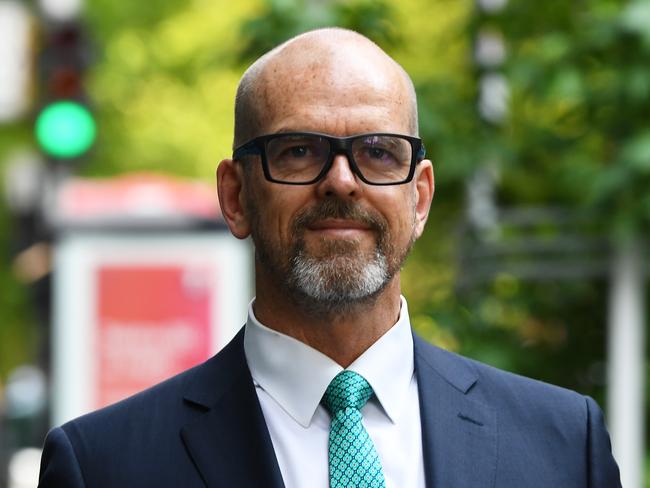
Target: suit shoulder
165,403
497,385
131,411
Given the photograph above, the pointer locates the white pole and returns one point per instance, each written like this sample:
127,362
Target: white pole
626,338
16,72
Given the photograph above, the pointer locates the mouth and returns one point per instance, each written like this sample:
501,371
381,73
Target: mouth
339,227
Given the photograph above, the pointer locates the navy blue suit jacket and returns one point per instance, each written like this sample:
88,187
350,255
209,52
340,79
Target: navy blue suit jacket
481,428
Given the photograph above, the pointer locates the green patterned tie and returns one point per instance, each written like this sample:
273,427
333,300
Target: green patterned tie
354,462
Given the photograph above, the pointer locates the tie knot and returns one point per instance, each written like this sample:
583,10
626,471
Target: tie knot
347,389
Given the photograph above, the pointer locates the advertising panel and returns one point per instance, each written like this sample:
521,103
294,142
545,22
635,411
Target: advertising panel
131,310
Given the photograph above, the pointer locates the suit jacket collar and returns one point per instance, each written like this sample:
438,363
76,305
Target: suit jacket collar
229,443
231,446
459,433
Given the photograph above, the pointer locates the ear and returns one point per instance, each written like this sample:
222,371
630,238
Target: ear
424,189
231,186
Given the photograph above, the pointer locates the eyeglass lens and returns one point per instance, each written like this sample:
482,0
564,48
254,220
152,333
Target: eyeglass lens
301,158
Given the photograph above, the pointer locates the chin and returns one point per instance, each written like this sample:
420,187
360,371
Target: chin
338,279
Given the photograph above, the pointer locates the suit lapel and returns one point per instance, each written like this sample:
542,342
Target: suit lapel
230,443
231,446
459,434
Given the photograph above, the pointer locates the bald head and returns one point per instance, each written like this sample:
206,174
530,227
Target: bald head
319,69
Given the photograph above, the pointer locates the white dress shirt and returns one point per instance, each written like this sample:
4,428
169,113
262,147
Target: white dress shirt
290,379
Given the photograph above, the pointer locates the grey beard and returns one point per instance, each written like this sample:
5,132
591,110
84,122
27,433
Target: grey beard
334,284
343,277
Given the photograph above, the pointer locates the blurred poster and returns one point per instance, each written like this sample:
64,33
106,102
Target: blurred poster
132,309
153,321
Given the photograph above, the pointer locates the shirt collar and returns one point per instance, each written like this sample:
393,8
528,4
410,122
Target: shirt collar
296,375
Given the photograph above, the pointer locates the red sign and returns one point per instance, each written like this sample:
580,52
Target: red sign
153,321
133,196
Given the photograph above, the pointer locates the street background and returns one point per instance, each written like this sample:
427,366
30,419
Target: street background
536,116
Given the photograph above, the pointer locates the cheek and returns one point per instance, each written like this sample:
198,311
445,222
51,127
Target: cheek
277,207
399,210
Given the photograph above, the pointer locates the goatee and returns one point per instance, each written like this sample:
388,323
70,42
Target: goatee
342,275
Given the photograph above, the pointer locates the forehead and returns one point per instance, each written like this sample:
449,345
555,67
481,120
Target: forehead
338,90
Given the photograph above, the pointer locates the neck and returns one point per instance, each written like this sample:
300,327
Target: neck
341,335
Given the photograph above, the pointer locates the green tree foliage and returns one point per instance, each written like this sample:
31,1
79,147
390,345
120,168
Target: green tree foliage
19,341
580,75
576,138
283,19
163,85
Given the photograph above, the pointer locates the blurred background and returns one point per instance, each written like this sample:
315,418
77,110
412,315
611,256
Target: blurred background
113,257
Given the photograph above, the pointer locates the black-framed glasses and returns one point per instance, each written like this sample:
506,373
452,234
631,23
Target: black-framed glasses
303,158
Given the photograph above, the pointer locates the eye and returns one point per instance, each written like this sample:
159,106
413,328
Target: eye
298,151
376,153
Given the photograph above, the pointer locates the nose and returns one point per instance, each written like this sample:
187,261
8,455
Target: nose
340,180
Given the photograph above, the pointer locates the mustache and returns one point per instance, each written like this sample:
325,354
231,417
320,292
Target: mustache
338,209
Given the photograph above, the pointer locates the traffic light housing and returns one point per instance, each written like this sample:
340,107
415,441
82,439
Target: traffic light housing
65,127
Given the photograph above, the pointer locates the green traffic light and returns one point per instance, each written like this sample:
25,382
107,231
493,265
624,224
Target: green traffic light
65,129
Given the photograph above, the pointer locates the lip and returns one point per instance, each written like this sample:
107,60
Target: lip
338,225
339,229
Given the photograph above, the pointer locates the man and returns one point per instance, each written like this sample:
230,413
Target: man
326,385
